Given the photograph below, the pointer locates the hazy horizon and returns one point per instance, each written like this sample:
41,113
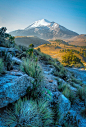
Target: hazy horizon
19,14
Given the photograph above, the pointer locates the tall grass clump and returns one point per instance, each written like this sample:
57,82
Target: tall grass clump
69,94
1,66
81,93
29,114
33,69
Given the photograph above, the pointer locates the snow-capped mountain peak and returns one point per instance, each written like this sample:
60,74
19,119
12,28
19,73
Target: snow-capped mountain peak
42,22
45,30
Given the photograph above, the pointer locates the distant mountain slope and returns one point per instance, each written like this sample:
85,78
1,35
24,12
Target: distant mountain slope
79,40
26,41
45,30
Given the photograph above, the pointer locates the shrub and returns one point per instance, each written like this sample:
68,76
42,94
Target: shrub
70,58
29,114
31,45
1,66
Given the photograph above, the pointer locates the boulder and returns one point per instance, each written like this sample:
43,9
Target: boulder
13,85
16,60
64,106
3,49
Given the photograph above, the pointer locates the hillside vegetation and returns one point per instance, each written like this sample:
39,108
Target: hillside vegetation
36,90
59,48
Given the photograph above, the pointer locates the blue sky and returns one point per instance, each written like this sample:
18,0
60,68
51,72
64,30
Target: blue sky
18,14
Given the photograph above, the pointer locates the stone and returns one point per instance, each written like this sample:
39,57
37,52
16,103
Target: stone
16,60
64,106
13,85
50,81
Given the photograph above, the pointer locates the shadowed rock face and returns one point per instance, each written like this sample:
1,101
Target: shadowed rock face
12,86
45,30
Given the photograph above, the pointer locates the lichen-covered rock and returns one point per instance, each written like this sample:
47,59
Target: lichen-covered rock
64,106
13,85
16,60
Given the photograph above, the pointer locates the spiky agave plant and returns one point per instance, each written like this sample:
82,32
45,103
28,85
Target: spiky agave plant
28,113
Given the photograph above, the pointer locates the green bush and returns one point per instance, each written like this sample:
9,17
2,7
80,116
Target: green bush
29,114
1,66
31,45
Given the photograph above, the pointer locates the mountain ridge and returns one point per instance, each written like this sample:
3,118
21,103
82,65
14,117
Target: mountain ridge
45,30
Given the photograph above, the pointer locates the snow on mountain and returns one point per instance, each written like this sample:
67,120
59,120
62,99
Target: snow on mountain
45,30
39,23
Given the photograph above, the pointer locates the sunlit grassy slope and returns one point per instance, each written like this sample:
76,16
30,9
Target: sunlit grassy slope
55,50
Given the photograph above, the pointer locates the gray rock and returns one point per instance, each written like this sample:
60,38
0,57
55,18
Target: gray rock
13,86
16,60
64,106
12,51
3,49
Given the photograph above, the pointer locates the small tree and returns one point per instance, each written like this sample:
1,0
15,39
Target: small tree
70,58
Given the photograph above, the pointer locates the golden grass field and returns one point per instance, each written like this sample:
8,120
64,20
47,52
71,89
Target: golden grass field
54,48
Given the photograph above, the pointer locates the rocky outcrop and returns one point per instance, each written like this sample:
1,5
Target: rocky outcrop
16,60
13,85
12,51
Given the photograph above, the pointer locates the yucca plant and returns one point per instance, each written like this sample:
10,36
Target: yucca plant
29,114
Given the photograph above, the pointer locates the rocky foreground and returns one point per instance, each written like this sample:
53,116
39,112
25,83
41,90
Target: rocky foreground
46,80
